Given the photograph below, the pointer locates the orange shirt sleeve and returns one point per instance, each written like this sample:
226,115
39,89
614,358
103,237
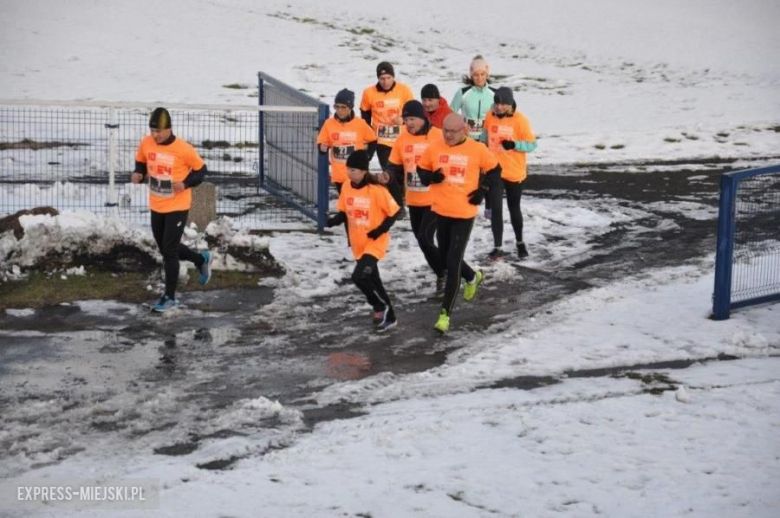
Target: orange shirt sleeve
387,204
487,160
395,153
140,155
368,133
324,136
426,160
365,101
192,159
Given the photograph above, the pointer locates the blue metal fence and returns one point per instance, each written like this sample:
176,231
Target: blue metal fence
292,168
747,263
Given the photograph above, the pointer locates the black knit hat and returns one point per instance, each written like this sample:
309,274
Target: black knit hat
160,119
345,97
504,96
358,160
385,68
430,91
413,108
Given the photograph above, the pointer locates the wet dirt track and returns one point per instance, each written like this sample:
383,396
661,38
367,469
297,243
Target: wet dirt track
88,369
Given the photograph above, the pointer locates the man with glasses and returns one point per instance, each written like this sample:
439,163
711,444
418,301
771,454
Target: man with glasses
460,171
343,134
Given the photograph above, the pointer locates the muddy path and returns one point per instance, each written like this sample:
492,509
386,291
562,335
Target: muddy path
70,375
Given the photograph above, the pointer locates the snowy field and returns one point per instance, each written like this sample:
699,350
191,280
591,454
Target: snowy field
601,82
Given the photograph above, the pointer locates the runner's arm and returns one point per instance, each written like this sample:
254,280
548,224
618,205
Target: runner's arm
428,177
195,178
140,168
371,149
383,227
337,219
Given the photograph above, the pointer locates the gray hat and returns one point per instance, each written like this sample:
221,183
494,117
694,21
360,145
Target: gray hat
504,95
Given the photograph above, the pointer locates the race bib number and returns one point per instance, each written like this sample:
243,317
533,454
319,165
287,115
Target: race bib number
161,186
388,132
340,153
358,211
454,168
475,124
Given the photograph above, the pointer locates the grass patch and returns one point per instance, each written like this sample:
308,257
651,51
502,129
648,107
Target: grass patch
617,146
236,86
600,146
211,144
34,145
671,140
39,290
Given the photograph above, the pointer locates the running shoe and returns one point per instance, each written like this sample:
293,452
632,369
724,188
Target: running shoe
165,303
388,323
470,290
379,316
496,255
442,325
522,251
205,268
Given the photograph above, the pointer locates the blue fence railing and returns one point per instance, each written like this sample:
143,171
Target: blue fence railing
747,263
291,168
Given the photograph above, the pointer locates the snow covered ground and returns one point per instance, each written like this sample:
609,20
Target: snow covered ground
601,82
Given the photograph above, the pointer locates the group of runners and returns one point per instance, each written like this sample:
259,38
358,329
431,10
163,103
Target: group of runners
441,162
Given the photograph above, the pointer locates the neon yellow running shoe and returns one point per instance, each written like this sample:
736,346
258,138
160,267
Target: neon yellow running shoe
470,290
443,324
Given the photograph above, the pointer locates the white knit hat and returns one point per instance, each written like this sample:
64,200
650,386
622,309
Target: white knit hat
477,64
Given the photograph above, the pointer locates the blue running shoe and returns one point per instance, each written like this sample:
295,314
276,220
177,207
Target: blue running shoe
205,268
165,304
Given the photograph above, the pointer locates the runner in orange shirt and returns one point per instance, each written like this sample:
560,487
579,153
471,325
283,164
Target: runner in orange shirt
460,171
508,135
381,107
342,134
173,167
417,135
370,211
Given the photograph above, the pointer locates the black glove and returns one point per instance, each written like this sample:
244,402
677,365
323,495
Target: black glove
374,234
476,196
508,144
338,219
437,176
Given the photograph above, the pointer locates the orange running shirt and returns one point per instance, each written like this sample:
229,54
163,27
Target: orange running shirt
385,108
461,166
366,209
406,152
516,127
166,165
343,138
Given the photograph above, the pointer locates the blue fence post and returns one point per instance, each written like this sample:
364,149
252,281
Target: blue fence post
721,304
261,131
323,176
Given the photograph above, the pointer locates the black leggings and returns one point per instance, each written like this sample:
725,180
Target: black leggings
514,192
366,278
167,229
383,154
423,221
453,236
